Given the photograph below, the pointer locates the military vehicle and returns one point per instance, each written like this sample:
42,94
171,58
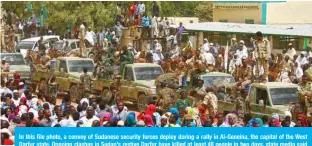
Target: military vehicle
137,84
67,71
266,99
17,64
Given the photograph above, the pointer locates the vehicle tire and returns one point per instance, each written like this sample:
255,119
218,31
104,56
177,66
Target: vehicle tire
43,87
142,102
74,93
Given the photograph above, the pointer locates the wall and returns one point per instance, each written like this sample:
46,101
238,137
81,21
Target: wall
237,12
290,12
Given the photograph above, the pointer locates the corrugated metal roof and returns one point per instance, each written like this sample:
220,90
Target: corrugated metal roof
304,30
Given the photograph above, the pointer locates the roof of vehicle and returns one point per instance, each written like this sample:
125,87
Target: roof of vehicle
216,74
69,40
44,38
73,58
10,53
275,85
143,65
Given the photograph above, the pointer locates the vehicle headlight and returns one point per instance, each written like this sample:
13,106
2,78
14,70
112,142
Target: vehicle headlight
151,91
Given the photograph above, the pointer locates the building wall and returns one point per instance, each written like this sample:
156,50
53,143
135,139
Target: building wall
237,12
291,12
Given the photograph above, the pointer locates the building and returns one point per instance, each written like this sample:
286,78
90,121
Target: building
272,13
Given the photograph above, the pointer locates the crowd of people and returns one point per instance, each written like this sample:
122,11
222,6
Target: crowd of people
21,107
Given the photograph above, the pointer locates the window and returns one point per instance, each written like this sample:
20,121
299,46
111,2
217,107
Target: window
249,21
63,65
262,95
73,46
129,74
223,20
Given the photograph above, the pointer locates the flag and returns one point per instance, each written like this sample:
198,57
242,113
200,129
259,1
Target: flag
226,56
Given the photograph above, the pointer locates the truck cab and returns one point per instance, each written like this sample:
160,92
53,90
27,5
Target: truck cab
271,97
138,83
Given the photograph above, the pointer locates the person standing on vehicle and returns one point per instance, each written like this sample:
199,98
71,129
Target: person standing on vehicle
126,57
262,55
85,83
82,34
118,29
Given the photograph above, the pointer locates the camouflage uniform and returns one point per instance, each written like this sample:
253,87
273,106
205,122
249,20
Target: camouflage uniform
126,58
85,85
262,54
246,75
105,69
240,105
166,100
305,100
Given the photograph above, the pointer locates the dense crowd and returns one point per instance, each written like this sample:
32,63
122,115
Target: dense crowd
21,107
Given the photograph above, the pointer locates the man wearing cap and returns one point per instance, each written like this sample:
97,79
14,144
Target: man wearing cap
242,50
262,55
302,59
291,52
21,89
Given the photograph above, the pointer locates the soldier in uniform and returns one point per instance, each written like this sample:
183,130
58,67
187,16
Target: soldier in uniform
117,82
11,37
262,55
166,97
305,93
82,33
126,57
85,83
245,77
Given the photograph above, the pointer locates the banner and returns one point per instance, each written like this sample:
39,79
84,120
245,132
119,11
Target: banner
141,136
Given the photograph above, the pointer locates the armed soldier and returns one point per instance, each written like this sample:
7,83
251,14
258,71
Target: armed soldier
126,57
166,97
85,83
262,55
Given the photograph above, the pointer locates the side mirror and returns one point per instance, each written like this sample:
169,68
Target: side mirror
261,102
62,70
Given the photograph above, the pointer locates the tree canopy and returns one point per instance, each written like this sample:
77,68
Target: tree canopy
65,14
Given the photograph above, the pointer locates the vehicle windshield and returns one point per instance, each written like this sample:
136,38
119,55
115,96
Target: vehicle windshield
281,96
147,73
79,65
13,59
25,45
58,45
209,81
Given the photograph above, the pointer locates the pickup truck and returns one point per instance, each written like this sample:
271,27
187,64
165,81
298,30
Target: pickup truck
266,99
137,84
67,71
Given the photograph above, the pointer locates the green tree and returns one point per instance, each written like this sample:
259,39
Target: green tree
204,11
